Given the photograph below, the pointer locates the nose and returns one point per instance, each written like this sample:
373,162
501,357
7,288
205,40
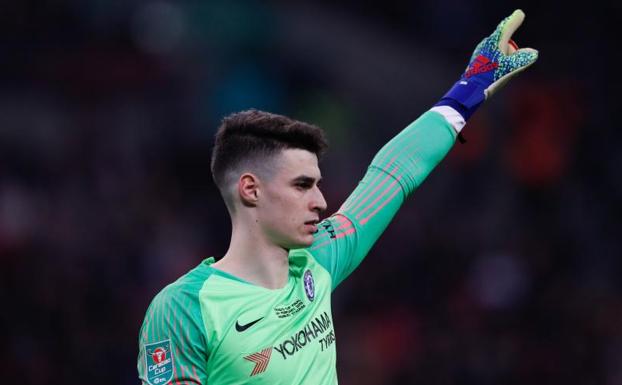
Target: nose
318,203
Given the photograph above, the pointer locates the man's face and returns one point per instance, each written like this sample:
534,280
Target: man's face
290,202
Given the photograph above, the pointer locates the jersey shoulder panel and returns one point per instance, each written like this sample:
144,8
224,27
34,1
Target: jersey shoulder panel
173,323
300,260
183,294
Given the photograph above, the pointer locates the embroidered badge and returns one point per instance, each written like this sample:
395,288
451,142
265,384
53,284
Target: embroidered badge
159,362
309,285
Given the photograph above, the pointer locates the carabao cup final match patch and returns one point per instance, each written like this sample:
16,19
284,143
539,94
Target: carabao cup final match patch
159,362
309,285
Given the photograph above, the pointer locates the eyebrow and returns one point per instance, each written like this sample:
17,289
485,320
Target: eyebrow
306,179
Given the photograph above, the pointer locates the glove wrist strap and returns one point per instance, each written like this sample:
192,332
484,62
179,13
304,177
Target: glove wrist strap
465,97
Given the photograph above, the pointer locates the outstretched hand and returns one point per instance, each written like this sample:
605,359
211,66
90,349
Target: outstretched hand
496,59
503,54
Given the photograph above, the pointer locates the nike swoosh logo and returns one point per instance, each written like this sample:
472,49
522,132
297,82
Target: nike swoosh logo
241,328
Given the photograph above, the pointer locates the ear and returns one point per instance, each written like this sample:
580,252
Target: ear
248,186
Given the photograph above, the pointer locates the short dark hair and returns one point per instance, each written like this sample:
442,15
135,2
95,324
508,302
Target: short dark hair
255,135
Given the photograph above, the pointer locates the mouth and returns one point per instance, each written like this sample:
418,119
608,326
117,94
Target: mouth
312,224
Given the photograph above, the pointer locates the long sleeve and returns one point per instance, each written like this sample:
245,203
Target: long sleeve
345,238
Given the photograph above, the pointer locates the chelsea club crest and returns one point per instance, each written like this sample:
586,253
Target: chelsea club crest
307,281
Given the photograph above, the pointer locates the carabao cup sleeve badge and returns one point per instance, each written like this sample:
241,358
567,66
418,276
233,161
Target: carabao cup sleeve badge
159,362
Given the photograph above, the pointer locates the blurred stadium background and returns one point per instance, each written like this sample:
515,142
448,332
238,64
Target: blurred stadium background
503,269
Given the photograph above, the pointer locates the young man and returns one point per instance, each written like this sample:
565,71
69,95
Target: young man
262,314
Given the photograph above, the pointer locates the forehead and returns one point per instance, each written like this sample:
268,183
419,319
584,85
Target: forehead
294,162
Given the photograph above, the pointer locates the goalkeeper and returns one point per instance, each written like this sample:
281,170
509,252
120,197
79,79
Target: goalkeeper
262,313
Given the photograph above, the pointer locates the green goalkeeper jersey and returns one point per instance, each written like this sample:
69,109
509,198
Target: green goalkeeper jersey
210,327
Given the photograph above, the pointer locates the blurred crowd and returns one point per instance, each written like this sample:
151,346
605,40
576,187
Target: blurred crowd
502,269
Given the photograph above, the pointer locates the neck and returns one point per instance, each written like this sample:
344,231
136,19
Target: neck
253,258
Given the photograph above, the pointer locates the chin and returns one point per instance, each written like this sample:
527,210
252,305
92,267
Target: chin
301,243
308,242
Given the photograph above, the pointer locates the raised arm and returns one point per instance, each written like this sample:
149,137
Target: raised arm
405,161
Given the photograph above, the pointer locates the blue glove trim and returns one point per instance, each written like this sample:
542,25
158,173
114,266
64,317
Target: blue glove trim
465,96
466,114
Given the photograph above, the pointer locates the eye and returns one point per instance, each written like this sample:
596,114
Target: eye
303,185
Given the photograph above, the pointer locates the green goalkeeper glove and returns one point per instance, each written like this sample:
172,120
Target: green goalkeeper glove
495,60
